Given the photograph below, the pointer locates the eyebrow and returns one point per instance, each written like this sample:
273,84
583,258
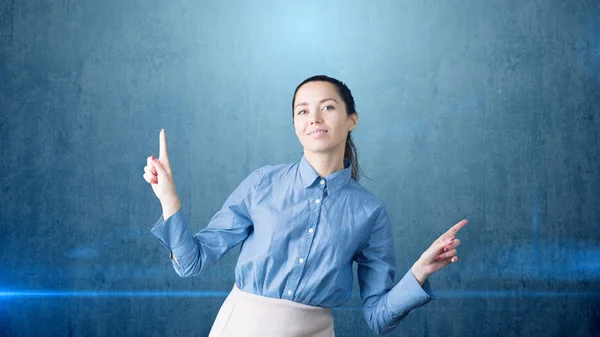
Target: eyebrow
321,101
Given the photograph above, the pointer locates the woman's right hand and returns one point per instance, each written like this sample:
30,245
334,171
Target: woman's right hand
158,173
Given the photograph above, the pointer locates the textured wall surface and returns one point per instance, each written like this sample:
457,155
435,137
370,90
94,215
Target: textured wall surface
481,109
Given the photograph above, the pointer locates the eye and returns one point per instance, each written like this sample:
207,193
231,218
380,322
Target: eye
329,106
300,112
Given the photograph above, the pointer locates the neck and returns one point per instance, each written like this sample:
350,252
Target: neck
325,163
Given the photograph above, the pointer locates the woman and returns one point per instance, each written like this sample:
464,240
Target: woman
301,226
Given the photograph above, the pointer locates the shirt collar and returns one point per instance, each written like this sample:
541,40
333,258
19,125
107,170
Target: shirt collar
334,181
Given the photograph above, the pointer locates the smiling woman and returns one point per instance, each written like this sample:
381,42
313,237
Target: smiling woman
302,226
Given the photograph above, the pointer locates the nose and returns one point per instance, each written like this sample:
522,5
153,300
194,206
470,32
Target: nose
315,117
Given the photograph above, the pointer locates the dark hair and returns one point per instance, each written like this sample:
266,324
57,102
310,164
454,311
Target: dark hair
350,152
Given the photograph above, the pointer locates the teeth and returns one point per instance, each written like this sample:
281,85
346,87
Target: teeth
322,131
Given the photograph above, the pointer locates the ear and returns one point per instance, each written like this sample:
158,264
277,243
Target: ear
353,121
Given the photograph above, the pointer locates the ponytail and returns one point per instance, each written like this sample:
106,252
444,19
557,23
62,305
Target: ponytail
351,154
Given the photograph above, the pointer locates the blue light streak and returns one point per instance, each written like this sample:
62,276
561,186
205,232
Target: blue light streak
223,294
514,294
13,294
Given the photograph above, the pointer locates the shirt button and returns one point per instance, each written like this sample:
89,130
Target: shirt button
310,230
317,201
322,182
290,292
301,260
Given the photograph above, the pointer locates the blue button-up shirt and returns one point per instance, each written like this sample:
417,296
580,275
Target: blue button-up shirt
300,234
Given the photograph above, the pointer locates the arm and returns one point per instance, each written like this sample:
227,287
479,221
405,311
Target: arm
383,304
169,209
229,226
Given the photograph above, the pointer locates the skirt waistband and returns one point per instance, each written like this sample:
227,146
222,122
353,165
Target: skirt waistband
279,302
251,315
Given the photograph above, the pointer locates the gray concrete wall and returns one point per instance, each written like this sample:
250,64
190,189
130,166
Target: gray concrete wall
481,109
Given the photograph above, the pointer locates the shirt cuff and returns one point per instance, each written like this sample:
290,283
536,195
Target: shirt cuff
408,294
173,233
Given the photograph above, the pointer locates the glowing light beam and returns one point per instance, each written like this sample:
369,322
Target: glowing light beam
222,294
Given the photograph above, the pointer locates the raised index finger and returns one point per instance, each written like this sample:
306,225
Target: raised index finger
163,145
454,229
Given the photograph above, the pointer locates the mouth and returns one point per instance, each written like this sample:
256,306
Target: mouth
317,132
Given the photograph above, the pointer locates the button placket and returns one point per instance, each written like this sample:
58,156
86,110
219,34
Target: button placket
307,240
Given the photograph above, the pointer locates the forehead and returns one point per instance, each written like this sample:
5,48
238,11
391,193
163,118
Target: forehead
315,91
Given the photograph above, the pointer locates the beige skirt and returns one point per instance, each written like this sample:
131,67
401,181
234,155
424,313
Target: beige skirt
247,314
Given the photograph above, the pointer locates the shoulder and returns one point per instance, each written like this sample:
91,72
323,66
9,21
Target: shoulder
371,204
271,172
274,168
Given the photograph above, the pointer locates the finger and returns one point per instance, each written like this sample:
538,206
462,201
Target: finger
454,229
149,161
443,242
150,178
159,167
150,170
447,254
163,147
455,243
452,259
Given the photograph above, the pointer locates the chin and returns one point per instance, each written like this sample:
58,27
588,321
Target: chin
319,149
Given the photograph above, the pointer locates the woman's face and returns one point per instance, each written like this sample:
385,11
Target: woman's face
320,118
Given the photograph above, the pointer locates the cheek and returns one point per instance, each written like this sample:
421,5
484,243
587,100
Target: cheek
299,126
336,124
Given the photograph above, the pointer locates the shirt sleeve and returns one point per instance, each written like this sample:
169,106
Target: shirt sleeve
383,304
227,228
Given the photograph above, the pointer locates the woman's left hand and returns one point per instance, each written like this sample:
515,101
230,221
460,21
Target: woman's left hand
440,254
